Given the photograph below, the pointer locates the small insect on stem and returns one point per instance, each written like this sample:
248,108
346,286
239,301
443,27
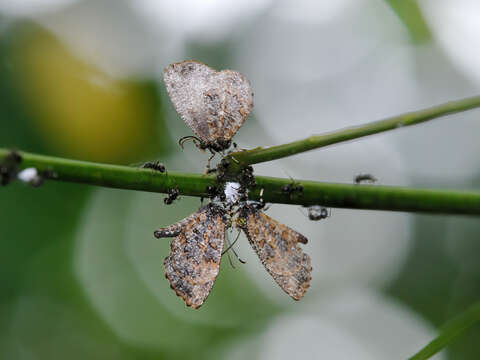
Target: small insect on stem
34,177
247,179
292,188
369,178
172,195
9,167
260,205
215,193
154,165
317,212
233,192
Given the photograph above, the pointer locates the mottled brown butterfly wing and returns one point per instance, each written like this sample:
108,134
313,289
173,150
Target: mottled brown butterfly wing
195,253
213,104
277,247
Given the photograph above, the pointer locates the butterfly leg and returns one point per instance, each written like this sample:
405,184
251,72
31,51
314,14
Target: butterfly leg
207,169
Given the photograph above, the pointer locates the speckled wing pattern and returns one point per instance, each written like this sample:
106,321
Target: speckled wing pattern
277,247
213,104
195,253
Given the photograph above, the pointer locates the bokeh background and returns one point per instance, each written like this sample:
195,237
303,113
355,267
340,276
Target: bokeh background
81,275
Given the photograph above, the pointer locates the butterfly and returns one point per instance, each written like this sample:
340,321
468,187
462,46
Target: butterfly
214,104
195,252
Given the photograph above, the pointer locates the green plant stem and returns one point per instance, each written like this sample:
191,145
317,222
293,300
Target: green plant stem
371,197
258,155
115,176
449,332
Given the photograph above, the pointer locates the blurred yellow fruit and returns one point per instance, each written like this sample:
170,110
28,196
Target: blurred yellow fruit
80,110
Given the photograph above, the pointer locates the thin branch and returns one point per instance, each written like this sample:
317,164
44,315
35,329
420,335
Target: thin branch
327,194
114,176
258,155
452,330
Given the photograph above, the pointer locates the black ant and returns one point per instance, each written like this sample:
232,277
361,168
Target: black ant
364,178
220,170
260,204
292,188
211,191
172,195
215,191
221,177
246,177
317,212
9,167
224,164
154,165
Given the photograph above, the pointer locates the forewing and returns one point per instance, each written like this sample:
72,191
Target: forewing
213,104
277,247
236,101
195,253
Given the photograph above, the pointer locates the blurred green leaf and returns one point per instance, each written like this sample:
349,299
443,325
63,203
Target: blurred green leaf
450,332
410,14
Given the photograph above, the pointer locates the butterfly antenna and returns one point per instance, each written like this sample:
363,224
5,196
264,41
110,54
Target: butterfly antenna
230,261
226,251
238,257
230,247
195,140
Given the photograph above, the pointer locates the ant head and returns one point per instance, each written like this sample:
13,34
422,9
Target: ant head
221,177
324,212
224,163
